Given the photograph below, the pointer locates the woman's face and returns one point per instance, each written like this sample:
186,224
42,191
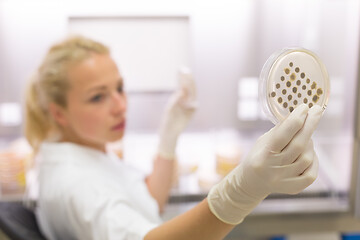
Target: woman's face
96,103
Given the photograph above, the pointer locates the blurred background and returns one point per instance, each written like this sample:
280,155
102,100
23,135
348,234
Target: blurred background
225,44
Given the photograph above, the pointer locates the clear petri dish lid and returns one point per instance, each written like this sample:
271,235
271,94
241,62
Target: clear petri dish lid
289,78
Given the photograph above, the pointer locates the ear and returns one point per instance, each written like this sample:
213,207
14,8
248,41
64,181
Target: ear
58,114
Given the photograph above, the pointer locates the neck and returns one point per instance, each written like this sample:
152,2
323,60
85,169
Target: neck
70,137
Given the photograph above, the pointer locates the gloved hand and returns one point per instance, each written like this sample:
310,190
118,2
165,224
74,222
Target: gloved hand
282,161
177,115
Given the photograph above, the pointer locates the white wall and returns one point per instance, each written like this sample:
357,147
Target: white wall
27,28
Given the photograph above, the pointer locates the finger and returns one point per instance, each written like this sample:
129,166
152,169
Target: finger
283,133
286,157
183,100
303,162
191,105
176,99
187,83
302,138
297,184
313,170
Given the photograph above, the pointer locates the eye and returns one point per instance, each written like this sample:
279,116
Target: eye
120,89
97,98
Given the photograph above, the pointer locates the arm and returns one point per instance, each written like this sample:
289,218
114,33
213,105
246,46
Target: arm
197,223
176,117
282,161
160,180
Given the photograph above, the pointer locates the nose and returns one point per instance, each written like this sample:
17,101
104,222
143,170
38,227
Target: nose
119,104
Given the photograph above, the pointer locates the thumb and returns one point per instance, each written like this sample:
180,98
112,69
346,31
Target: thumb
187,83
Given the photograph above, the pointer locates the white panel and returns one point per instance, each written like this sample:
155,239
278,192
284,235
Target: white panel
248,87
10,114
148,50
247,109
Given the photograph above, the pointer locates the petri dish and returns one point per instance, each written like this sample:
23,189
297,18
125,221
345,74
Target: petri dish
289,78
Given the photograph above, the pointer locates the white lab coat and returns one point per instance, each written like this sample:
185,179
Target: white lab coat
86,194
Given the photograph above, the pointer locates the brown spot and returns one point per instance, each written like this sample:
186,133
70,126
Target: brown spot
288,84
287,71
319,91
309,92
295,102
297,69
298,82
280,100
308,81
291,109
313,85
291,64
310,105
294,89
293,76
282,78
285,104
278,85
289,97
283,91
305,100
273,94
299,95
303,87
315,98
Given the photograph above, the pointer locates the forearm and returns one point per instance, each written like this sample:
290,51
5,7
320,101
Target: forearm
178,112
160,181
198,223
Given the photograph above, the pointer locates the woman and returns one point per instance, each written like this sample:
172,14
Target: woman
76,104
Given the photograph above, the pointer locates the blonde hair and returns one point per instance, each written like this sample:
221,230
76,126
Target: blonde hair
49,84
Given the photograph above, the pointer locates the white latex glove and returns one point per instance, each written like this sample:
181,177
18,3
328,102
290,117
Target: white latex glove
282,161
177,115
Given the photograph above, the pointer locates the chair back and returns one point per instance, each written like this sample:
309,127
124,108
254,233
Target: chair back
18,222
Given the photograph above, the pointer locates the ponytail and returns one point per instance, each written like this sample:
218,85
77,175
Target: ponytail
37,123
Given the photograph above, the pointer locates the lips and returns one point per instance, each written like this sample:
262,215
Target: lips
119,126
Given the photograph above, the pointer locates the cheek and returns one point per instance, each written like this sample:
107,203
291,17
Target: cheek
89,122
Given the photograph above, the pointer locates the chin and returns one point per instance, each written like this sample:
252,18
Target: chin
116,137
